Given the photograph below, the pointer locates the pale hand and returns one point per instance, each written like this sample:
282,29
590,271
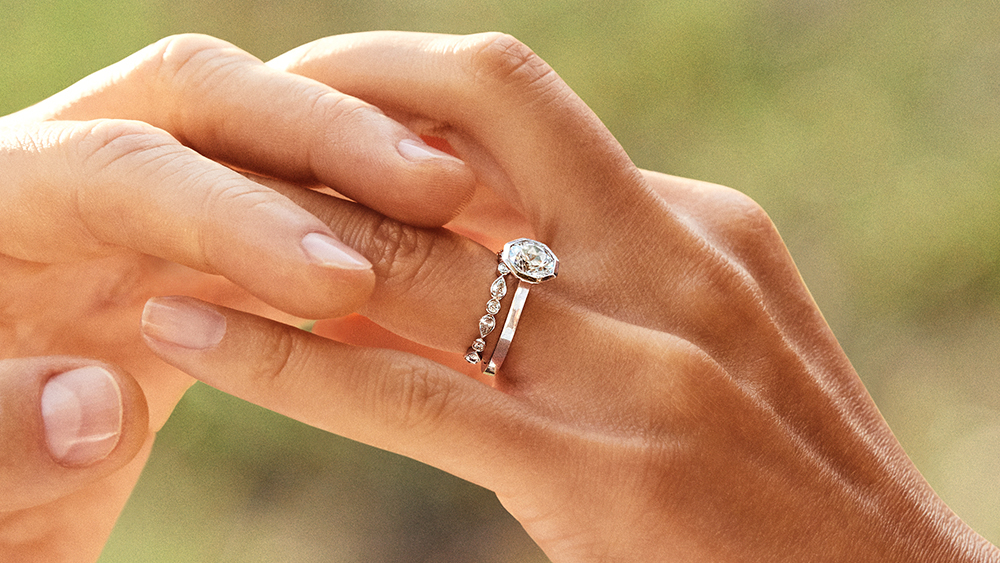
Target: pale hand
113,192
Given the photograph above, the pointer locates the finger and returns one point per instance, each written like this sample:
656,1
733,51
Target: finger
432,286
380,397
357,330
503,109
228,105
64,423
102,186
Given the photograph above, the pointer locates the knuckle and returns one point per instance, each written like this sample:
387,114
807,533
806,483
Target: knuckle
104,144
739,219
401,254
278,355
500,58
350,114
176,55
189,63
228,198
422,398
749,218
334,106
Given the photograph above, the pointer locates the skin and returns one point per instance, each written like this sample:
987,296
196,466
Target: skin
114,192
674,394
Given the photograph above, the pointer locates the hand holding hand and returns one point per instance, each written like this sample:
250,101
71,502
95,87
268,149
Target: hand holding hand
674,393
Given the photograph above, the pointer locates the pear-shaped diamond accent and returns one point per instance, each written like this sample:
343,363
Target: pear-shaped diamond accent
486,325
499,288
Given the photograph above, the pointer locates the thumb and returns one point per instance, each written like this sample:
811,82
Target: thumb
64,423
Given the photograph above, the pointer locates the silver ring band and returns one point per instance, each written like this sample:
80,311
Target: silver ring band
531,262
509,326
488,322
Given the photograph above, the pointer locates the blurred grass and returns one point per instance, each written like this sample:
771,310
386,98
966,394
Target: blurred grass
869,131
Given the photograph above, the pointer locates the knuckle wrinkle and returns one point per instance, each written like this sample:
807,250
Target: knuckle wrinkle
504,59
401,252
106,142
423,399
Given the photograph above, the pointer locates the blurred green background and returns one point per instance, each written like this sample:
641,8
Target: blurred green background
869,131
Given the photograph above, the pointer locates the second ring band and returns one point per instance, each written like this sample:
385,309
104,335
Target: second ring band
531,262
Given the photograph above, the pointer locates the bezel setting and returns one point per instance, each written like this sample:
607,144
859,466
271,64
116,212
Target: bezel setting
529,260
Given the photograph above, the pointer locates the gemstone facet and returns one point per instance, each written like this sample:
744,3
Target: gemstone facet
472,356
530,260
486,325
499,288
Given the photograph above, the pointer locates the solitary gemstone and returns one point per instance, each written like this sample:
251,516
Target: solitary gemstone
530,260
486,325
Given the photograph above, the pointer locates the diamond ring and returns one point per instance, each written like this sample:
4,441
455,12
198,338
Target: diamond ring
530,262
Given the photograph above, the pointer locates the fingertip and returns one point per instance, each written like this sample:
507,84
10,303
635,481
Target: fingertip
91,414
64,423
420,152
435,197
329,252
82,412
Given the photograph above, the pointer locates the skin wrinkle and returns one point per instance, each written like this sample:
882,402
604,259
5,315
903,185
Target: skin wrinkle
701,398
189,62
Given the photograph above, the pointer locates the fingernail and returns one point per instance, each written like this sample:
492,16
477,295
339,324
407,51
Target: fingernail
418,151
182,322
331,253
82,413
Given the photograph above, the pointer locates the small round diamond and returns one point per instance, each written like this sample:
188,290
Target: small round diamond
493,307
502,269
472,356
479,345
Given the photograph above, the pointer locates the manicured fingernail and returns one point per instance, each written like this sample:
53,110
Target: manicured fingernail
331,253
82,413
183,322
418,151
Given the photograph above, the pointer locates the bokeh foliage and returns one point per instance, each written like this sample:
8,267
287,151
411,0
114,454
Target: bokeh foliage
869,130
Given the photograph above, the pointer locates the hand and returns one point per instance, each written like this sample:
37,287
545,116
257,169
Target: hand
113,192
673,394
